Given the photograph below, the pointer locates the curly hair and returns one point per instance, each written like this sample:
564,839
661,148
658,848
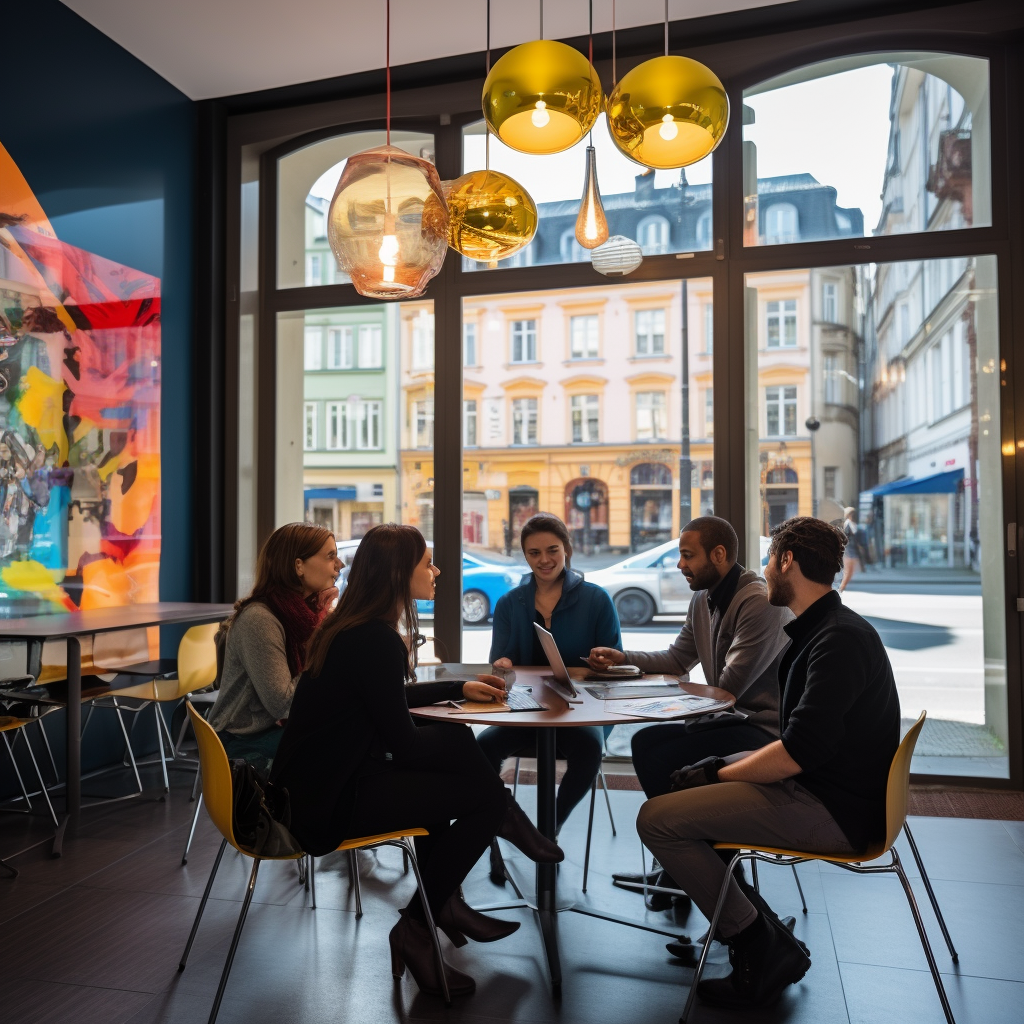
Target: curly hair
817,547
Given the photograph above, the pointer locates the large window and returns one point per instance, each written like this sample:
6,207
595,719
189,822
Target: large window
651,416
780,411
650,332
585,419
583,332
523,341
781,323
524,420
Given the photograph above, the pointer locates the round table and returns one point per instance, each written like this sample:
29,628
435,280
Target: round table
562,714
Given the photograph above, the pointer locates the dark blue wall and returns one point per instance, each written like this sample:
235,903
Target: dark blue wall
107,145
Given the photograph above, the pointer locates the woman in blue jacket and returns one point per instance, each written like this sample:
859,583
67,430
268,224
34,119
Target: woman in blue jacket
581,616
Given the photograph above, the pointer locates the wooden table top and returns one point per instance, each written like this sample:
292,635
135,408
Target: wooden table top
59,625
590,712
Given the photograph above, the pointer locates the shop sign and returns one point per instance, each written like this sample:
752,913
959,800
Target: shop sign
645,455
492,495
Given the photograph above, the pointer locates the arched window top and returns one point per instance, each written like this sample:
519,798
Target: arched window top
781,224
650,474
781,476
571,250
703,231
652,234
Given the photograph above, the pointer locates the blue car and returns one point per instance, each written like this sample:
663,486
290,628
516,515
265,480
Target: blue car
482,584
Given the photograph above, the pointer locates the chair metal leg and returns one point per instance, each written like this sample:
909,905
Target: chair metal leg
300,864
405,861
799,889
202,905
607,799
431,927
160,747
234,941
515,779
698,973
88,719
49,750
192,830
42,785
128,745
925,944
181,735
931,894
21,783
195,786
753,875
311,872
353,870
590,831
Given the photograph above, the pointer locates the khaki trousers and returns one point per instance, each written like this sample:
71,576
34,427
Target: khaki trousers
679,828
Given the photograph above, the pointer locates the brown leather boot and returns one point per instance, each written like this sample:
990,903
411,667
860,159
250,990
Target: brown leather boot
412,947
460,921
523,834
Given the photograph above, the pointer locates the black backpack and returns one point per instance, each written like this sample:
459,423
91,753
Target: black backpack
261,814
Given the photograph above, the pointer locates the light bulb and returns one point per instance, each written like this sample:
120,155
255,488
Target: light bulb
591,223
668,130
540,116
388,274
388,252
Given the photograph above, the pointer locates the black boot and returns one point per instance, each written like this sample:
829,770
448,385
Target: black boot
524,836
688,952
412,947
460,921
765,959
497,864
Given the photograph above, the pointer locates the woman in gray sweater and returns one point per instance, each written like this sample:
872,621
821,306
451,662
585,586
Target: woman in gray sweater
263,645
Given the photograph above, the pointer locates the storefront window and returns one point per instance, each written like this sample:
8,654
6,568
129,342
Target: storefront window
884,144
620,498
891,425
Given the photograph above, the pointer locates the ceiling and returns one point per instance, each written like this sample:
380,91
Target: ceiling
211,48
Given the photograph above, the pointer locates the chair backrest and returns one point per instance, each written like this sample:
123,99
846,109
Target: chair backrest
213,763
197,656
897,792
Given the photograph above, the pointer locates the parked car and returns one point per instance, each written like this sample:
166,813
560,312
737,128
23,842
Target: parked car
650,583
483,583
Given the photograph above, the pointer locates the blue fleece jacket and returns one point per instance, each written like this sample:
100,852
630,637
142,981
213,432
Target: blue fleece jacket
583,618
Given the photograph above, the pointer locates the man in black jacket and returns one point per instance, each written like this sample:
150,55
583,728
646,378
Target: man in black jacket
820,788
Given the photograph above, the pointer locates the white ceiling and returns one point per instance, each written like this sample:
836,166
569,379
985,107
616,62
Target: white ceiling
211,48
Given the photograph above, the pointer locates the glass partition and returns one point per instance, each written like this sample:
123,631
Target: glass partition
573,403
878,144
665,211
876,403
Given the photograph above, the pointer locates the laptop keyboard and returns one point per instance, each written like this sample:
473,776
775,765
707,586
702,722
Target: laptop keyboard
521,700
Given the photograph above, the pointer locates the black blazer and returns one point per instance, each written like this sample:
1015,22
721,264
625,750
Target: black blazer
840,715
351,720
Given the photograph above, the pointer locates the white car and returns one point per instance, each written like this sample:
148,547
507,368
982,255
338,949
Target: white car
650,583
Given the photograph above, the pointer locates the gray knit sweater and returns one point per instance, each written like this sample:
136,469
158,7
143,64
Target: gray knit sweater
739,651
256,685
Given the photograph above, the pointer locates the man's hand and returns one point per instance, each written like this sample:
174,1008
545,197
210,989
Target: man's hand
703,773
602,657
503,663
484,690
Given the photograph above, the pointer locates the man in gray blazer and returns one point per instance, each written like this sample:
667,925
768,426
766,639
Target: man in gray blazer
737,637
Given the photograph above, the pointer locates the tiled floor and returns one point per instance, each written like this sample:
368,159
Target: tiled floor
95,937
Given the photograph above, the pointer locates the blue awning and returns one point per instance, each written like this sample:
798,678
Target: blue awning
938,483
331,493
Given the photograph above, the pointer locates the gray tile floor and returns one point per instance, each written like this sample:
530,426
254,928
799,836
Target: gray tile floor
96,936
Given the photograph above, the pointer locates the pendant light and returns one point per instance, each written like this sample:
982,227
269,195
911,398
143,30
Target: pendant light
542,97
388,223
591,223
490,215
668,112
618,256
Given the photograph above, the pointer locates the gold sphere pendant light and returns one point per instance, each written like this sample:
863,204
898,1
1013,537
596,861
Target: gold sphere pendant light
542,97
668,112
490,215
388,223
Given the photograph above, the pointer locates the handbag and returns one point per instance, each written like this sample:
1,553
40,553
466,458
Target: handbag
260,813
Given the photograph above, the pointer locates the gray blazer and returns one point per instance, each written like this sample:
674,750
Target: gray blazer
739,651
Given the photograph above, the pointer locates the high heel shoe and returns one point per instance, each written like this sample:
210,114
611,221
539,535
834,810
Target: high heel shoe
522,834
412,947
460,921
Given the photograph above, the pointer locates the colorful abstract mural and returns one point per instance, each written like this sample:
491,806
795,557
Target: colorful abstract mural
79,419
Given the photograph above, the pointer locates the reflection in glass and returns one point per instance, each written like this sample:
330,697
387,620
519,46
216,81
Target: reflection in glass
877,144
884,413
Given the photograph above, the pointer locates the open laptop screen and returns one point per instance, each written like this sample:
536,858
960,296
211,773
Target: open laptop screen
562,680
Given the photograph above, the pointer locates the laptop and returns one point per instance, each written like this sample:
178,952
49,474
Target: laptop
560,680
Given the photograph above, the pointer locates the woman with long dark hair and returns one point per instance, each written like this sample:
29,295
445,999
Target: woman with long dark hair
577,613
355,764
263,645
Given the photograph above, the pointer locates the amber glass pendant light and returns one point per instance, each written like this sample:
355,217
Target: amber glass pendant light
542,97
668,112
490,215
388,223
591,223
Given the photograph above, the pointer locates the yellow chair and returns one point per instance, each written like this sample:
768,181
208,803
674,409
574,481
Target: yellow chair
197,669
219,802
896,798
